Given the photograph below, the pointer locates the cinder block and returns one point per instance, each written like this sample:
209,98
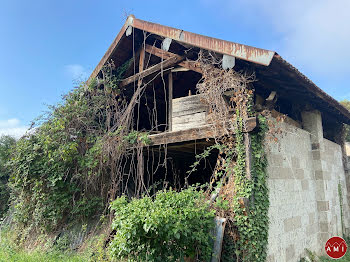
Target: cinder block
311,229
315,146
280,173
276,160
323,238
270,258
292,223
288,224
328,175
299,173
322,205
312,217
297,222
290,253
286,173
324,216
304,184
319,175
324,227
316,155
295,162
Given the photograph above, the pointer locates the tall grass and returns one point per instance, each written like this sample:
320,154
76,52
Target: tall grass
345,258
11,252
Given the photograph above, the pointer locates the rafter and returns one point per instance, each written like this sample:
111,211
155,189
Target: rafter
191,65
153,69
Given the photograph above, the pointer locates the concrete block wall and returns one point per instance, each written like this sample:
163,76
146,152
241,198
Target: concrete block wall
335,175
293,206
304,172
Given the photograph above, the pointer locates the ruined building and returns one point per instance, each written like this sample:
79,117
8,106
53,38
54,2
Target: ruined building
308,176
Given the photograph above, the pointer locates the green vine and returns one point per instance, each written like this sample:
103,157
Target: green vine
249,203
341,207
251,220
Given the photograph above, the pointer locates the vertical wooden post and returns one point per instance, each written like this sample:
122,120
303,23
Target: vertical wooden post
170,111
141,65
140,171
218,236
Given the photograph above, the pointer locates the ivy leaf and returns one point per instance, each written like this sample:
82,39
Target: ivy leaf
146,227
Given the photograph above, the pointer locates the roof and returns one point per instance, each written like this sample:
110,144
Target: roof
271,68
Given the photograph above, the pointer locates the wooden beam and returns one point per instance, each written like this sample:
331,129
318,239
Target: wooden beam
141,65
153,69
170,111
198,133
191,65
130,70
159,52
142,60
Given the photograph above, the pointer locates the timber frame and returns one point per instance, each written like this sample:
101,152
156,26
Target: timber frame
157,51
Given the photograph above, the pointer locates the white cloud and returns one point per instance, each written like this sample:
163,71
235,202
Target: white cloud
12,127
76,72
314,34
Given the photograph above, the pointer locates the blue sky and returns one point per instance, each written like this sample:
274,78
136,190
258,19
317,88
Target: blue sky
46,45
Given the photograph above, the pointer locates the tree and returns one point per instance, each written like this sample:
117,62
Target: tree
6,145
346,104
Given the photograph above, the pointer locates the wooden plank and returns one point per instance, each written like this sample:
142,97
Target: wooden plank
191,65
188,105
170,101
153,69
195,133
189,121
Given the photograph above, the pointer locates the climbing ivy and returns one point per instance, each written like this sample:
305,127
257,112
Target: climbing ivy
251,220
257,231
340,193
246,202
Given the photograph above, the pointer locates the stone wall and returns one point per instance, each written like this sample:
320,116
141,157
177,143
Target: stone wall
305,171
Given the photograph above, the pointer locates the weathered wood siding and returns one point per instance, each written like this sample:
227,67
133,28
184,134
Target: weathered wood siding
188,112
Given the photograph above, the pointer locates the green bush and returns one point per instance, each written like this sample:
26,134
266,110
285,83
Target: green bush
6,145
168,227
55,170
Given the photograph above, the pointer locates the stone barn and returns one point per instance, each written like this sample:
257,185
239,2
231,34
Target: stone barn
308,174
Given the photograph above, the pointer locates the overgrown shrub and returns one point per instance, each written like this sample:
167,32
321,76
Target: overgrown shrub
52,167
168,227
59,172
6,145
